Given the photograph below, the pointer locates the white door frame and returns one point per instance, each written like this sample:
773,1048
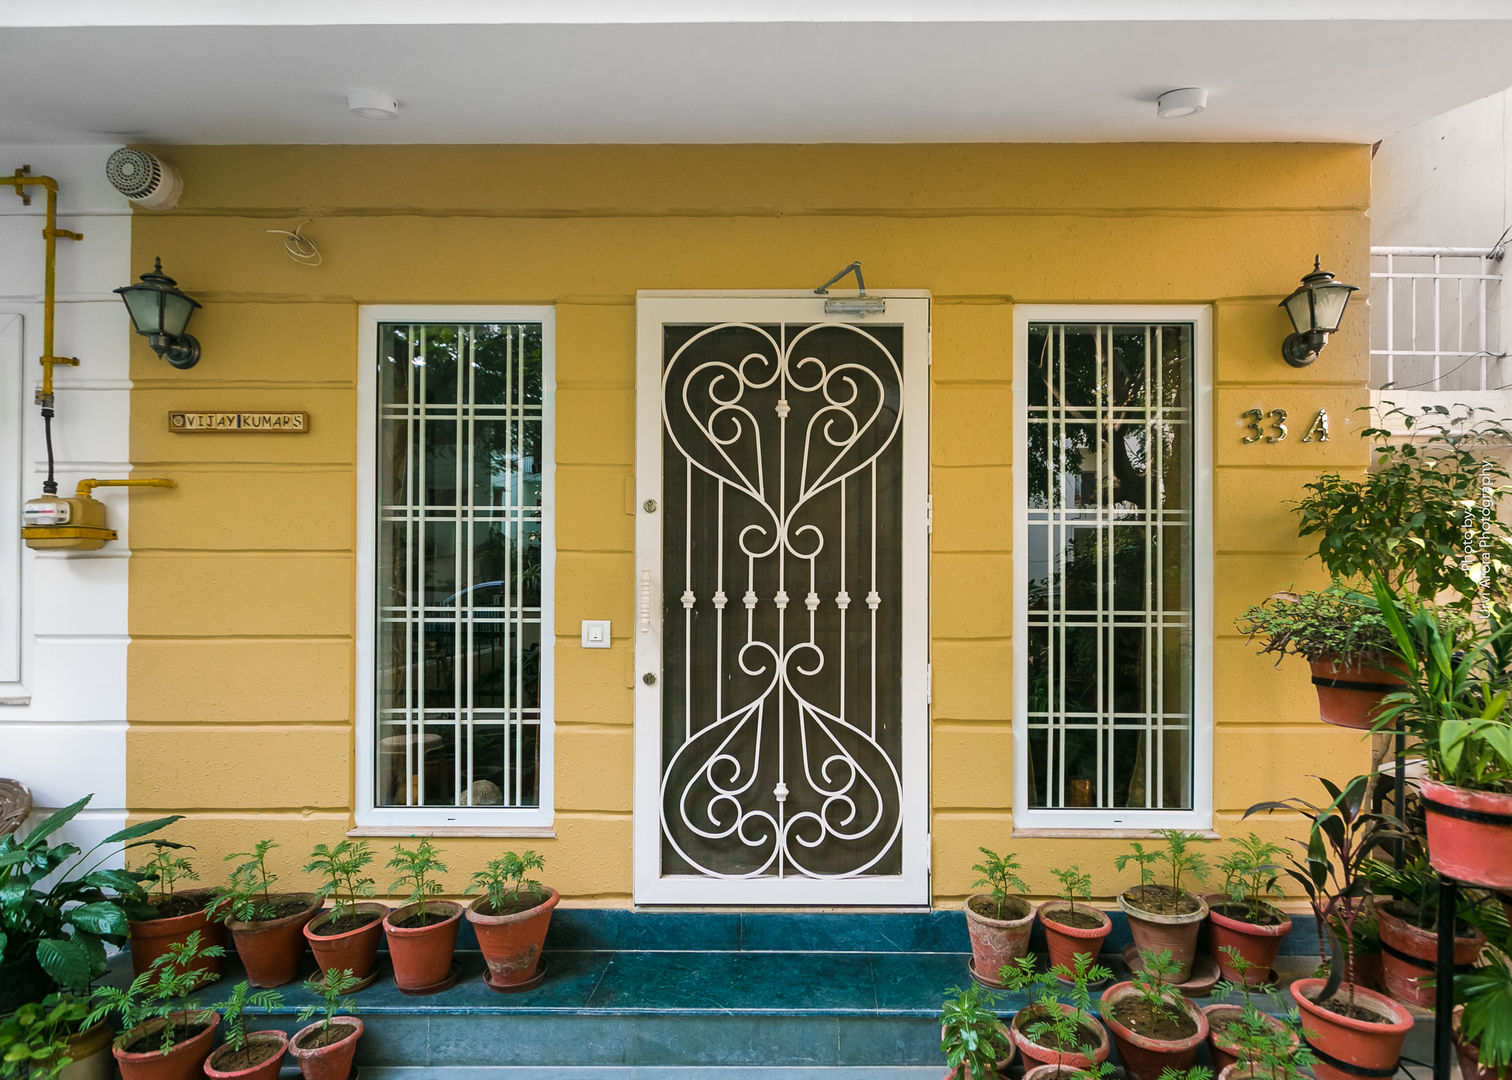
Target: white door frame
911,887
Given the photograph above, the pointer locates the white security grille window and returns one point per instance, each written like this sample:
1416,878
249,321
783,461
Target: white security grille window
461,553
1110,604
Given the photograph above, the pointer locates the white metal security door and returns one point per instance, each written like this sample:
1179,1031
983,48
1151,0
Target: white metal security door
781,641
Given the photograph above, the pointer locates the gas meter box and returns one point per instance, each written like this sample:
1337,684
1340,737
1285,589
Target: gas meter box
54,524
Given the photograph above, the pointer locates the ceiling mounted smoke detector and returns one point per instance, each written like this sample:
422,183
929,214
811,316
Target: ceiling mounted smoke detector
1176,104
373,104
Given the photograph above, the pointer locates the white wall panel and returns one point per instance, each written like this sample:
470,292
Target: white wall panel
61,762
82,678
79,596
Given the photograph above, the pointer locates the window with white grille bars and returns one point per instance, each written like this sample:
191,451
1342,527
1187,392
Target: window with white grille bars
1111,621
1436,319
460,549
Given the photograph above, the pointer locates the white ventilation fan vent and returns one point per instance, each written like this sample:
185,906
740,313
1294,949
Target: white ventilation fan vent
144,178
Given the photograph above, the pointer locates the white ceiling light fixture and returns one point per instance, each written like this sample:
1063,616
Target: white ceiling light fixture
373,104
1177,104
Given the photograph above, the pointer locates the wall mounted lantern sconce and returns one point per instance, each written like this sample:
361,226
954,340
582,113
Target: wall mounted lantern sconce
160,313
1315,309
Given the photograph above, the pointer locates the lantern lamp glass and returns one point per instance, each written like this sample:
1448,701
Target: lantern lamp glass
1299,309
1328,304
145,305
176,309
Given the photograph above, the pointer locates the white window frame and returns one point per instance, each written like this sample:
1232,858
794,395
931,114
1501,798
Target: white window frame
442,820
1028,821
12,434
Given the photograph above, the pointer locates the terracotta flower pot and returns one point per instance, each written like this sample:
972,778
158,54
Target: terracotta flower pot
89,1052
354,950
1409,954
1155,932
1145,1057
332,1062
1065,942
151,938
965,1073
270,949
1469,1055
1355,1042
1469,834
1349,694
184,1061
273,1044
422,955
1224,1050
1045,1055
1053,1072
996,942
1257,942
511,944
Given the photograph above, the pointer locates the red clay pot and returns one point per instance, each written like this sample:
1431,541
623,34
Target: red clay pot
1053,1072
1226,1053
278,1045
1469,1056
356,950
1403,977
1144,1058
151,938
422,955
1256,942
271,949
964,1072
332,1062
1474,852
511,944
1034,1052
1351,706
1154,932
184,1061
1358,1042
996,942
1065,943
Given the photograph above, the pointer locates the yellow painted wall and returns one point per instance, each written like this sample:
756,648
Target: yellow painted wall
240,694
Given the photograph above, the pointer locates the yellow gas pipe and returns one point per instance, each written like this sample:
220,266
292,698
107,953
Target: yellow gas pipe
84,487
21,180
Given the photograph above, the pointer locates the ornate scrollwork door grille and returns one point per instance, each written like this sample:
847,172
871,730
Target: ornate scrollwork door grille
780,738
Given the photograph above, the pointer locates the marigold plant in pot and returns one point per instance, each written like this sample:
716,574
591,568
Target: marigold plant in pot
1454,709
511,919
1153,1026
161,916
325,1049
1240,920
1342,635
345,937
422,933
1052,1032
266,927
1406,906
1238,1031
1072,931
997,921
51,1039
247,1055
1166,917
974,1041
165,1035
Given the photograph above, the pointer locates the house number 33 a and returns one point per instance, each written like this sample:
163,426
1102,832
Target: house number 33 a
1257,421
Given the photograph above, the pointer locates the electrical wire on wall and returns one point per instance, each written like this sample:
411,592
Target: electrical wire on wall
299,247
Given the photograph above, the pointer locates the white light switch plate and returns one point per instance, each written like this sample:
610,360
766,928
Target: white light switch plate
595,633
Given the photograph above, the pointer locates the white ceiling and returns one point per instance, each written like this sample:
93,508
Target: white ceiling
706,71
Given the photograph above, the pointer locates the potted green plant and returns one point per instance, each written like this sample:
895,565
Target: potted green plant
1165,917
422,932
1343,636
247,1055
1153,1025
997,921
165,914
266,927
974,1041
511,919
1350,1024
165,1035
1237,1028
325,1048
1070,930
1241,920
51,1040
1406,906
1048,1031
58,912
1483,1021
346,937
1454,708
